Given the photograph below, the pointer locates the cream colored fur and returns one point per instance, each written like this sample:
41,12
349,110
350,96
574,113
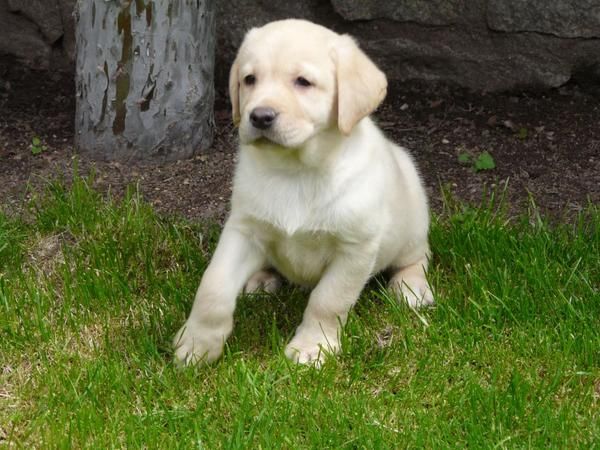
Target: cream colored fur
322,196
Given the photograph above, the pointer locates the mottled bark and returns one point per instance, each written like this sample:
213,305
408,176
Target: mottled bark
144,78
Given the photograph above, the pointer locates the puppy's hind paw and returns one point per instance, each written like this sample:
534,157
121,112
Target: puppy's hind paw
263,281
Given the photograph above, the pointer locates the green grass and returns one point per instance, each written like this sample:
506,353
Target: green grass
92,290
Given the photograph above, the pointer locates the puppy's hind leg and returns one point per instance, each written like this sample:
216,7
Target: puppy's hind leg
409,283
263,281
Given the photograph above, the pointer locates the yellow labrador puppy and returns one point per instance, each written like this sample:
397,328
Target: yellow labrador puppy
320,195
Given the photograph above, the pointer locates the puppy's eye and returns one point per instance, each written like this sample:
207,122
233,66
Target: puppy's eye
249,80
302,82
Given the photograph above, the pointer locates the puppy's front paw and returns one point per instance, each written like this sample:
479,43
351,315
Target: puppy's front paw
414,290
196,343
311,346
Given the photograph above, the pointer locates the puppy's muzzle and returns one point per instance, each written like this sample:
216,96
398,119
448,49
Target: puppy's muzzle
263,117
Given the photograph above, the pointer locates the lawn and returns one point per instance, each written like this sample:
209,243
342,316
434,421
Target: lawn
92,290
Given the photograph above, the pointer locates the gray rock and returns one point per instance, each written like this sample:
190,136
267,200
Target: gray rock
562,18
44,13
484,61
20,38
67,10
426,12
481,44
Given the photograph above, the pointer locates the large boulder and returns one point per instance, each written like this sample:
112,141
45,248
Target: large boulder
39,33
67,14
425,12
19,37
43,13
481,44
567,19
479,60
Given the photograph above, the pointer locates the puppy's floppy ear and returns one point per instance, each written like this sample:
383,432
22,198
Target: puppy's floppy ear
234,80
361,86
234,92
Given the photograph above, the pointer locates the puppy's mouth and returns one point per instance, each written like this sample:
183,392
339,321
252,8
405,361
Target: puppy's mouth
267,140
276,137
263,140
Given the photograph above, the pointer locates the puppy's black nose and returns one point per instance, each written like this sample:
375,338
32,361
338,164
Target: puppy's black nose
262,118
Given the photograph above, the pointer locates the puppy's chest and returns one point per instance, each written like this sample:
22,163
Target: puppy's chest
298,221
294,206
302,257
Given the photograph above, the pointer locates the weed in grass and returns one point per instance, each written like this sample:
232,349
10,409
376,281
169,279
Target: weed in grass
509,356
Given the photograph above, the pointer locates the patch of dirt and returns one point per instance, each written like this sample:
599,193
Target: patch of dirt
546,144
46,253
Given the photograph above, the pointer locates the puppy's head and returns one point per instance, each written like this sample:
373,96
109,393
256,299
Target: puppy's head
292,79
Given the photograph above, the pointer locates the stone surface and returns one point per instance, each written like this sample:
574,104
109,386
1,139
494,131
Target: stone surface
44,13
480,44
562,18
21,39
481,60
67,12
427,12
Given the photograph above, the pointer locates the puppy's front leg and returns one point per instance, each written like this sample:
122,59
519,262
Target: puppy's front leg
211,319
329,305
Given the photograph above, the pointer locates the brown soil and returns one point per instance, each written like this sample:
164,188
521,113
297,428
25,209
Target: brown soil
546,145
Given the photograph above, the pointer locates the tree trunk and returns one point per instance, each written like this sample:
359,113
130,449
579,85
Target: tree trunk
144,78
